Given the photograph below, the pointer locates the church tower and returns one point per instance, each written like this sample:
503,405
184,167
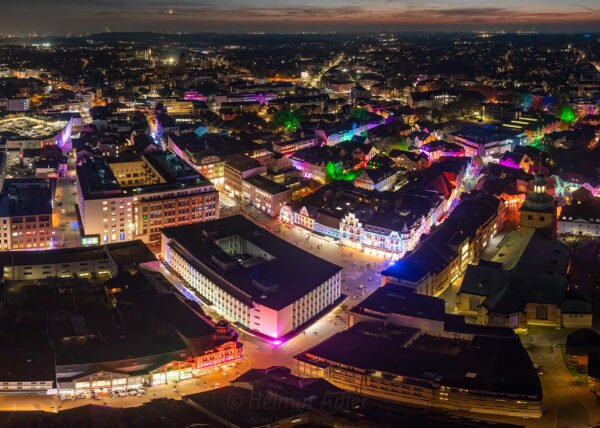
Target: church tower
539,209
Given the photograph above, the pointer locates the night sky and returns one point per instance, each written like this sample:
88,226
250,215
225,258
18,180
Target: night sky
78,16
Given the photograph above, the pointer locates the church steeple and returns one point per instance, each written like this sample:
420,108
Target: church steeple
539,184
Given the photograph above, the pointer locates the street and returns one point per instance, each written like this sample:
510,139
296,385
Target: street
64,219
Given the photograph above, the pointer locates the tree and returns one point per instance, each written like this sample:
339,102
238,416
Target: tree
359,113
567,114
287,119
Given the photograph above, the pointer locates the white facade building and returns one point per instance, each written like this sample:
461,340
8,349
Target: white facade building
250,276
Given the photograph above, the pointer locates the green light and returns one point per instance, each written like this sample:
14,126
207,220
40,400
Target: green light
359,113
287,119
567,114
337,175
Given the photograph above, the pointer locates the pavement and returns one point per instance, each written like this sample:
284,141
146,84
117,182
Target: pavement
64,218
569,403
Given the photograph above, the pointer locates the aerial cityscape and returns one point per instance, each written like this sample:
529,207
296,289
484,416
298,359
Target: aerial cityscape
300,214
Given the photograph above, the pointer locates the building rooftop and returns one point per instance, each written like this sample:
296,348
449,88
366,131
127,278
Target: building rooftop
483,365
267,185
271,271
97,180
396,299
26,197
242,162
28,128
486,134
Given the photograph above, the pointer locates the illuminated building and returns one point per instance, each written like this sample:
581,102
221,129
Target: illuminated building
439,149
157,338
133,198
441,258
289,147
582,215
409,160
250,276
432,99
17,105
208,153
265,195
538,211
26,214
341,162
500,111
516,160
523,283
406,359
365,219
381,179
237,169
340,87
177,107
486,140
262,98
193,96
24,132
344,131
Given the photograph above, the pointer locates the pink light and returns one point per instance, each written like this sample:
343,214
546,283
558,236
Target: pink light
277,342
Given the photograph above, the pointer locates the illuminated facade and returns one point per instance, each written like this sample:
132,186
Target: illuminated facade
389,233
402,363
538,211
25,132
344,132
262,98
291,146
133,199
266,195
26,214
250,276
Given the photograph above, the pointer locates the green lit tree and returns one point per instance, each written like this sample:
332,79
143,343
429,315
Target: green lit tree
337,175
359,113
287,119
567,115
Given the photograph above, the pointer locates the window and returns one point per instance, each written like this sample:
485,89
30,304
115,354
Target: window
541,312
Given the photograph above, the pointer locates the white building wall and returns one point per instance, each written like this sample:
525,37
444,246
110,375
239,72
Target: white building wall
579,227
260,318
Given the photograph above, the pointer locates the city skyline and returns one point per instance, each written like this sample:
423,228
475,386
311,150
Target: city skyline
193,16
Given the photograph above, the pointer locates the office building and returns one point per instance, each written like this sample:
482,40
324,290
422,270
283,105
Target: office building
404,348
237,169
486,140
250,276
26,214
265,195
134,197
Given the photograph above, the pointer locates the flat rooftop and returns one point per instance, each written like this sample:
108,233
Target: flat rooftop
267,185
486,134
483,365
27,128
26,197
97,180
396,299
61,255
282,276
123,253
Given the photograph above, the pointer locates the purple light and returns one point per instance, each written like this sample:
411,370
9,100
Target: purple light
277,342
193,96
